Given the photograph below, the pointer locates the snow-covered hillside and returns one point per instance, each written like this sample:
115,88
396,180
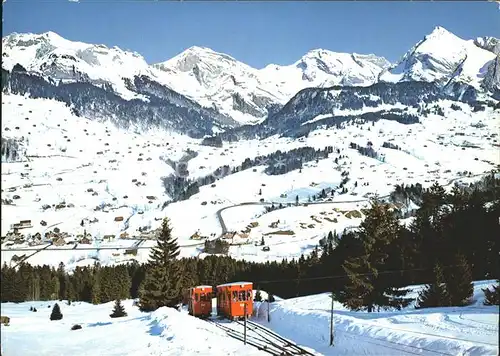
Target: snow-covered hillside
65,60
443,57
162,332
471,330
71,169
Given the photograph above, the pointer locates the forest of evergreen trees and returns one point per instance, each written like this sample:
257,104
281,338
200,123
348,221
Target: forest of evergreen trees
452,240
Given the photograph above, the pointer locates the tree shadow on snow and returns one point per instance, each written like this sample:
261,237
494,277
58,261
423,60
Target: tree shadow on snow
155,329
93,325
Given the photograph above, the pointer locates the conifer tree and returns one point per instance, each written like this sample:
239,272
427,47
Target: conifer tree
365,288
118,310
492,297
56,313
258,296
434,294
96,289
162,283
459,282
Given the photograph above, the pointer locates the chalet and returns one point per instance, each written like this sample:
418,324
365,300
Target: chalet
118,218
25,223
124,235
195,236
229,235
85,240
108,237
131,252
59,241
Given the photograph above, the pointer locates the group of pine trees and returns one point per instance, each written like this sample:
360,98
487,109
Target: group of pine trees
452,240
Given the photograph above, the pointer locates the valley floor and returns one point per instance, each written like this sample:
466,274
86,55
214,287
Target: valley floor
79,175
471,330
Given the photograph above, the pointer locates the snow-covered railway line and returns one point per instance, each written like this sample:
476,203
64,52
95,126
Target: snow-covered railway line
262,338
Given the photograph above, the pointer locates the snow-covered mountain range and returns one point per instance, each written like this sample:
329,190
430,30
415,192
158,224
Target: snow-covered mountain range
245,93
224,92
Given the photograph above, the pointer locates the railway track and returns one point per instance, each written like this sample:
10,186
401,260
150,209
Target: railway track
261,338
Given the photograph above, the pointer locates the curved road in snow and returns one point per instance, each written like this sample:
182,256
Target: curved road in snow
224,227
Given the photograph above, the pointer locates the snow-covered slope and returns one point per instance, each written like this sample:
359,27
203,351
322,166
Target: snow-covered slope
62,59
162,332
471,330
442,57
101,83
218,80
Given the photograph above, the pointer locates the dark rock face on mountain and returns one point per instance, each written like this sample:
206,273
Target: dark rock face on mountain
163,108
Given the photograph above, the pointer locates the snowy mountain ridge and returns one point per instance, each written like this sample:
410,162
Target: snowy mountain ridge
225,92
70,61
443,57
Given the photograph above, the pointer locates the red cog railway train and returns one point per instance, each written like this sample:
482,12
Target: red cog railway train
233,300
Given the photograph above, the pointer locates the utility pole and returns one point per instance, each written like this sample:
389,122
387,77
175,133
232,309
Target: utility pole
268,313
331,322
245,324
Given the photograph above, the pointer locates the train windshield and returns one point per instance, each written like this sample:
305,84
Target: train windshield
245,296
205,297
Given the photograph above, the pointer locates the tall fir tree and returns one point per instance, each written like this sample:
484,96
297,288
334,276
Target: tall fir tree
366,288
434,294
61,275
96,288
459,281
162,283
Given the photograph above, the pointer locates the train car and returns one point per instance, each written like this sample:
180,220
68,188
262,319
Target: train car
200,301
232,299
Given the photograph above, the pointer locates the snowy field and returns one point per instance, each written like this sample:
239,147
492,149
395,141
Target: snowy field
163,332
102,173
471,330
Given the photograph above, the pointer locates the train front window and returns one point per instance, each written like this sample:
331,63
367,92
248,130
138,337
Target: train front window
242,296
197,297
249,295
235,296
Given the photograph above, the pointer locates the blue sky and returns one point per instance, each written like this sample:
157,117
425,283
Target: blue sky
256,33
